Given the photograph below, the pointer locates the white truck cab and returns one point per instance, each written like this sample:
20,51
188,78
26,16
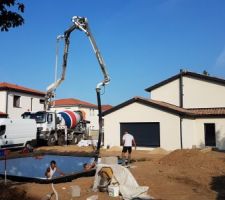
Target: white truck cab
16,133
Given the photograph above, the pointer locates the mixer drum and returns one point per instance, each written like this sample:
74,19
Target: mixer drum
71,118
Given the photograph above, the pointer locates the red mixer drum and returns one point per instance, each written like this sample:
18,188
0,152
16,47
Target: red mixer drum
71,118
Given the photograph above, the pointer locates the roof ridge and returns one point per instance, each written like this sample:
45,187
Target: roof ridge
169,108
214,79
13,86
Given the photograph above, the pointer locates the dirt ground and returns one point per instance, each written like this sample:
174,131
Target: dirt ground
178,175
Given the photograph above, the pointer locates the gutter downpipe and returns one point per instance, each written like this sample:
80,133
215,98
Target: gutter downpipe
181,92
6,102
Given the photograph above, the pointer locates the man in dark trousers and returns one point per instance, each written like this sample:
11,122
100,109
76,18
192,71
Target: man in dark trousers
128,142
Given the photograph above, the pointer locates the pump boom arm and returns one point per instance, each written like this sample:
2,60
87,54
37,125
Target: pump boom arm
80,23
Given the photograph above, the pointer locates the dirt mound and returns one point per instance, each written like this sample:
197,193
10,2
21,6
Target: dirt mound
10,193
158,151
193,158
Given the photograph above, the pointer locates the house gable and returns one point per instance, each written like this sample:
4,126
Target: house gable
190,90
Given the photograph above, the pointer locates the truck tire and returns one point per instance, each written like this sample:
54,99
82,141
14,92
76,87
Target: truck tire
61,140
76,138
51,140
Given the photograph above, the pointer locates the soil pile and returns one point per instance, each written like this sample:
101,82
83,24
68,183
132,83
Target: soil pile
194,158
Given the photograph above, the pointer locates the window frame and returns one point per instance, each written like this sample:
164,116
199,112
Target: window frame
16,98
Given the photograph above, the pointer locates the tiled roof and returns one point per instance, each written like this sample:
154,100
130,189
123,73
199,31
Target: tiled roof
194,113
208,111
72,102
78,102
18,88
106,107
188,74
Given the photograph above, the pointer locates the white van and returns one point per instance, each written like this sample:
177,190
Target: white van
17,133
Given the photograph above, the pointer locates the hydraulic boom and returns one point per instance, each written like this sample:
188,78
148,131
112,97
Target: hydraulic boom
80,23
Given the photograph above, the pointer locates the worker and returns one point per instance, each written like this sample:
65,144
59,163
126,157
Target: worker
27,149
52,169
89,166
128,142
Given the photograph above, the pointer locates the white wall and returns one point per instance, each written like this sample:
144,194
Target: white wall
136,112
194,133
91,114
25,104
220,131
202,94
168,93
3,101
189,133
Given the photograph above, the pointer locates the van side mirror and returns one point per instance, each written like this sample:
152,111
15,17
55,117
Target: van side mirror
2,129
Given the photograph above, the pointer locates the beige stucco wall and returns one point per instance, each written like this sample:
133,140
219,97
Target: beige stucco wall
3,101
202,94
168,93
25,104
220,131
91,114
189,133
136,112
194,133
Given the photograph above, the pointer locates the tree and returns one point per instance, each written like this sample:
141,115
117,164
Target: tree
10,19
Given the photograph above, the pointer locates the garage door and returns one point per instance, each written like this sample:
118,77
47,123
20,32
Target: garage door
145,134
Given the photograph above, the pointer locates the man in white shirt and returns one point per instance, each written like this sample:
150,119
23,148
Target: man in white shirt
128,142
52,169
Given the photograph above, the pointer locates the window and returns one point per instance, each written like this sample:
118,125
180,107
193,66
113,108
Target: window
49,119
16,101
2,130
42,101
92,111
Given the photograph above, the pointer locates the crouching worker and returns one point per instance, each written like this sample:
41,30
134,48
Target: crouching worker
52,169
105,175
89,166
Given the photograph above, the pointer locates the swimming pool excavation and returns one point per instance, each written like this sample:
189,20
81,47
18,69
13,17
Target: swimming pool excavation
80,23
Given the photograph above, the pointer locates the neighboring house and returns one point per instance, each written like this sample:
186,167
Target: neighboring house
184,111
15,100
90,110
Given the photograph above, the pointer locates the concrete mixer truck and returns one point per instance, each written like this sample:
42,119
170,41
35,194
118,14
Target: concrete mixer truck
81,24
59,127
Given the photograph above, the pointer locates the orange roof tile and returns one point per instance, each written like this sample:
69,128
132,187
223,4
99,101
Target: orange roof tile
18,88
106,107
72,102
78,102
196,112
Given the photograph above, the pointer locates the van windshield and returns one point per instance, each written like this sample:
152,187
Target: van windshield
40,117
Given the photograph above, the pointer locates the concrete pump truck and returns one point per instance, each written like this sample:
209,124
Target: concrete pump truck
69,125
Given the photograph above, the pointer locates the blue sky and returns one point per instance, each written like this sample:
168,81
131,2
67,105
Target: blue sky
142,42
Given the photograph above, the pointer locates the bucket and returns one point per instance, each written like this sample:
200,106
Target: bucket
113,190
75,191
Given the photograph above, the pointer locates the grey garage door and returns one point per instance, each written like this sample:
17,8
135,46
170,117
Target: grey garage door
146,134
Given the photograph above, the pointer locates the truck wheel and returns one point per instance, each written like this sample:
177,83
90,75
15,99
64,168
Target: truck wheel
61,140
76,139
51,140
